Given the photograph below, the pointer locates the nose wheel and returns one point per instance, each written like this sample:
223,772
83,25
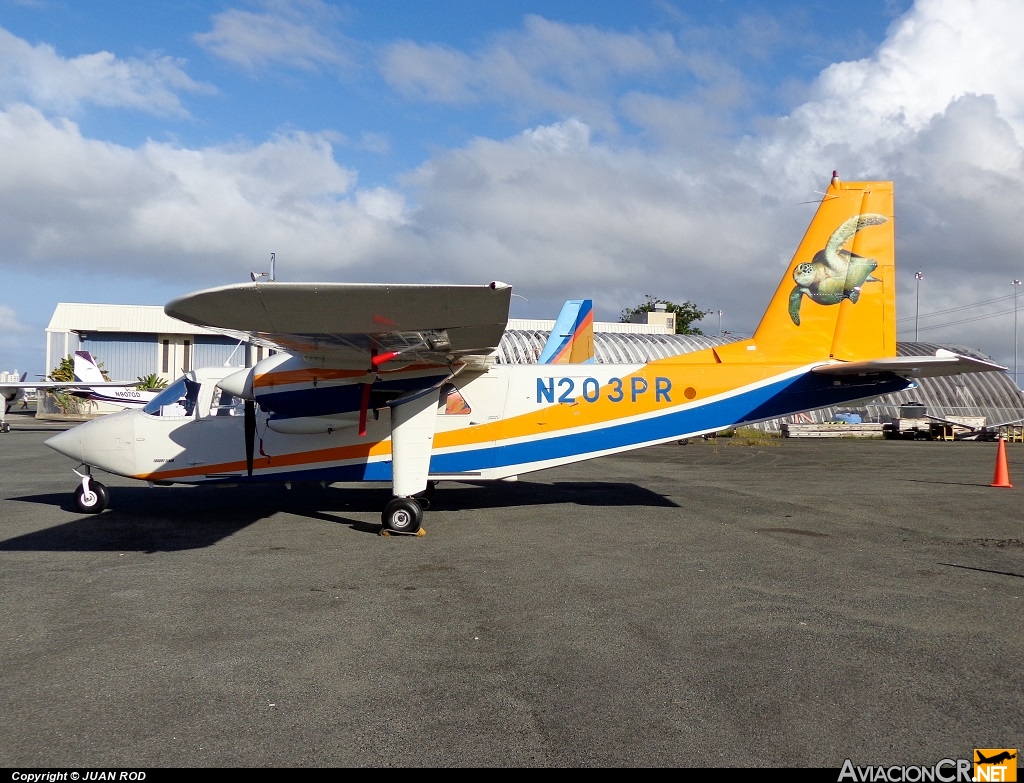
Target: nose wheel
91,497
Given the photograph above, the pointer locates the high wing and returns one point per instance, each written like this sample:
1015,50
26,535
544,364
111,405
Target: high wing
942,363
353,348
343,324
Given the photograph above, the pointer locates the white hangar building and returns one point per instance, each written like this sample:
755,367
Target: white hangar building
132,341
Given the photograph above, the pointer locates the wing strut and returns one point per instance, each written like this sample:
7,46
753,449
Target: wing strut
412,436
250,434
363,407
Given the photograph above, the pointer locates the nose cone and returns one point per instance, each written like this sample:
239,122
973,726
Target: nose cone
238,384
68,443
105,443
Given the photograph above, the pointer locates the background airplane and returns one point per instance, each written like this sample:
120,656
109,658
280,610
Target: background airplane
398,383
89,384
96,388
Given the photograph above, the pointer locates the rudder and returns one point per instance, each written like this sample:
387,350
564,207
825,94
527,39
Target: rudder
838,296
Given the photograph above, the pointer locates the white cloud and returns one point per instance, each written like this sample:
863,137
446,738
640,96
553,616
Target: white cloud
299,34
163,211
40,76
548,66
9,322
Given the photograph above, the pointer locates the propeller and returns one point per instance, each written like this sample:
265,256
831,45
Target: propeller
239,385
250,434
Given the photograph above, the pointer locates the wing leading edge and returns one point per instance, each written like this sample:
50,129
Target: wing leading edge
343,323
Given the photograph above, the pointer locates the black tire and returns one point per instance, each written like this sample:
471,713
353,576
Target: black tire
93,503
402,515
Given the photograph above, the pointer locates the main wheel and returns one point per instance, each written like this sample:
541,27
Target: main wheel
93,501
402,515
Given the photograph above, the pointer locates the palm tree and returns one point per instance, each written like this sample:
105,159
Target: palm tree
151,382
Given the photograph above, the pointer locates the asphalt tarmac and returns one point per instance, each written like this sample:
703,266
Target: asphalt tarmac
787,605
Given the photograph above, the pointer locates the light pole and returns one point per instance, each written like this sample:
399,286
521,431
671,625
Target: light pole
917,313
1016,287
719,321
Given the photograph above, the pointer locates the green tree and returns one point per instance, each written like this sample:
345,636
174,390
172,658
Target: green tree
65,401
686,313
64,372
151,382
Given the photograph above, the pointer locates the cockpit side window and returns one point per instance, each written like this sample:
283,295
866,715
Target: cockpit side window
176,401
225,404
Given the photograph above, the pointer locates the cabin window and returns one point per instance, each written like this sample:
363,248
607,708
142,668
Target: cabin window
225,404
176,401
452,403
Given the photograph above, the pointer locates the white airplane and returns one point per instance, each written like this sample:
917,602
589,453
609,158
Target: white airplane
96,388
398,383
89,384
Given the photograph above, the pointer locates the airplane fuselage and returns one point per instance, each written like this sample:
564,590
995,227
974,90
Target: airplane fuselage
507,421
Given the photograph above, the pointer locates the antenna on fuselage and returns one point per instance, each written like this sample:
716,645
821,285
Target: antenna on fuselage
271,276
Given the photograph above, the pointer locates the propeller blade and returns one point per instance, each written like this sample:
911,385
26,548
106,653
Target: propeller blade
250,434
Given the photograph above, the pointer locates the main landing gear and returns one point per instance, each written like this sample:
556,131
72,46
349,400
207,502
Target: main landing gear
405,515
91,497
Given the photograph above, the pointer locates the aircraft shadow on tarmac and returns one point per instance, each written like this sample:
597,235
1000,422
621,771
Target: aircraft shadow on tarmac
167,519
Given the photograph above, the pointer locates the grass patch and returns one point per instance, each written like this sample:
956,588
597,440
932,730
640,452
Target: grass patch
741,436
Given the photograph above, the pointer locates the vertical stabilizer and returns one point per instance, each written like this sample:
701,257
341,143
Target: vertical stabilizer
86,369
572,339
838,296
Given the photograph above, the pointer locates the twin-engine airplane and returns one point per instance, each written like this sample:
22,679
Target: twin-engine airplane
398,383
89,384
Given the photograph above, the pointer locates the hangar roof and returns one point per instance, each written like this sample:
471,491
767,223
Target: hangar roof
136,319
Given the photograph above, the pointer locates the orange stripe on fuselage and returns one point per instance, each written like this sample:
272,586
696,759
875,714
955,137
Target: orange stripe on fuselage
359,451
694,378
309,375
305,375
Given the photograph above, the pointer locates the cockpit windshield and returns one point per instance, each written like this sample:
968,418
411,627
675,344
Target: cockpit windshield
178,400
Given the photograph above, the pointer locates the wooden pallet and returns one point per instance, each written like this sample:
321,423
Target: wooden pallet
832,430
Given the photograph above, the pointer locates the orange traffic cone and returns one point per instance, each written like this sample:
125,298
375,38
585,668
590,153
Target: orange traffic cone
1002,477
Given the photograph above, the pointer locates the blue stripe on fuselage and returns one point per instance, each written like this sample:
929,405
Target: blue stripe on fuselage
337,399
803,392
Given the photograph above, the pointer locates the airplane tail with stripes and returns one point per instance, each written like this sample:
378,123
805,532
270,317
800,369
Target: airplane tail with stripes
86,369
572,338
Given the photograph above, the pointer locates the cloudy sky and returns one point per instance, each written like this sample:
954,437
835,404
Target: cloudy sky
602,149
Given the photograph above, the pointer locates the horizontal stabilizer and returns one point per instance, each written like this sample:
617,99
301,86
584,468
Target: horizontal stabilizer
942,363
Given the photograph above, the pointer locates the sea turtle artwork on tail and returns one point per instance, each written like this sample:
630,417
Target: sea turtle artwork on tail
834,274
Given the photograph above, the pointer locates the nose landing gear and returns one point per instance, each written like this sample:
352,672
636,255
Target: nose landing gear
91,497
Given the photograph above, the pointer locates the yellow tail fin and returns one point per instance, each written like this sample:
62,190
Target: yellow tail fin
838,297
